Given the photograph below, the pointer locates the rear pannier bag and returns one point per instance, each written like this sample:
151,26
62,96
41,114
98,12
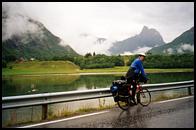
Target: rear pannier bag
119,90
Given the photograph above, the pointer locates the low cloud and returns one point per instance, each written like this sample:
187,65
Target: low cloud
63,43
141,49
127,53
15,23
185,47
168,51
137,51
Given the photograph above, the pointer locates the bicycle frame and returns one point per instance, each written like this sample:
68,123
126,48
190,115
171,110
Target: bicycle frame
139,88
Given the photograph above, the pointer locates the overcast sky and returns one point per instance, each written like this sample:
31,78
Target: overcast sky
79,24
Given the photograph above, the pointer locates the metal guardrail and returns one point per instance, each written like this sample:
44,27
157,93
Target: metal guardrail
50,98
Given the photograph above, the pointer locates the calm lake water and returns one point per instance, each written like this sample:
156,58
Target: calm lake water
23,85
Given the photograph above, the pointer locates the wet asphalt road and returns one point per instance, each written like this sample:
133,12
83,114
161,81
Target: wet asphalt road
176,113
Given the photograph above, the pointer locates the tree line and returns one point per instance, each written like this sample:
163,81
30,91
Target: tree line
167,61
89,61
92,61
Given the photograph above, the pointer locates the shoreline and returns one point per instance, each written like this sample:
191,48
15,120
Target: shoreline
99,72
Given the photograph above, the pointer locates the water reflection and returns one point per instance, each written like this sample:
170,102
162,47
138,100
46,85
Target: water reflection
20,85
33,88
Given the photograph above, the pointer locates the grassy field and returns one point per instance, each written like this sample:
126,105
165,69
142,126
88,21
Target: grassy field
66,67
40,67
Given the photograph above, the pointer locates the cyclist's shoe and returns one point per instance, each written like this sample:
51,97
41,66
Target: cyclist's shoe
134,102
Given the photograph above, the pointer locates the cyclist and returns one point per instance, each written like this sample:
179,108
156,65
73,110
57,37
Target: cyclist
135,72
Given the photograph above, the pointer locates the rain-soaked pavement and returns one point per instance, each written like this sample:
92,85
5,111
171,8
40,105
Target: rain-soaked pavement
176,113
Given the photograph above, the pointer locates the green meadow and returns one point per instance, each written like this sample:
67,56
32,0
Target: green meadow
66,67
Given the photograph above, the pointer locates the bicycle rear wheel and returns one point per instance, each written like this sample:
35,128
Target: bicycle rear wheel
124,104
144,97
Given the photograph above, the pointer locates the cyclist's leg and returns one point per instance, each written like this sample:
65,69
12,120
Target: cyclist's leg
134,91
130,75
129,82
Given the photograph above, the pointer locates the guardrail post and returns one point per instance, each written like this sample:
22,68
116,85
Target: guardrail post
44,111
189,90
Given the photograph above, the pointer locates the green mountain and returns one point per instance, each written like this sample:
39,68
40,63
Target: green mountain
36,42
182,44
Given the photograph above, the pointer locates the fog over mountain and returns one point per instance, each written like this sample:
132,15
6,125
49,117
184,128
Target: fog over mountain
25,37
142,42
82,24
181,44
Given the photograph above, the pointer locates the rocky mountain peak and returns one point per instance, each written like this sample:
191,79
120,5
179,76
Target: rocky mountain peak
147,38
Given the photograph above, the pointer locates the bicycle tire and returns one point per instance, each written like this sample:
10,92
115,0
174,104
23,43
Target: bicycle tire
124,105
144,97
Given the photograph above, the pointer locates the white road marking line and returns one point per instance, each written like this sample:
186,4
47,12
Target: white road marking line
173,99
75,117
